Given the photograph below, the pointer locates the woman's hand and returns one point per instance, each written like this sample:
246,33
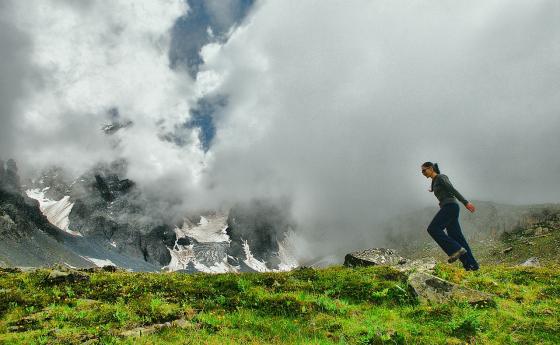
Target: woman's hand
470,207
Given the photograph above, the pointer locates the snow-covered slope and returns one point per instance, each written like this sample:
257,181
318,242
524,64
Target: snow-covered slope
209,229
250,260
57,212
286,253
203,247
100,262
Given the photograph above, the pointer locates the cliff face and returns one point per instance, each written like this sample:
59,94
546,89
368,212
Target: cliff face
26,236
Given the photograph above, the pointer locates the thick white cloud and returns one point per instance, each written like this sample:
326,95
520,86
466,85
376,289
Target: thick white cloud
96,56
337,104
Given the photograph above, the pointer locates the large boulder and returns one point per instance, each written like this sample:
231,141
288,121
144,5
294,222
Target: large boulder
420,265
374,257
388,257
432,289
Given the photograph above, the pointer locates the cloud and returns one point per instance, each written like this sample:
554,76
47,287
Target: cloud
101,62
14,51
337,104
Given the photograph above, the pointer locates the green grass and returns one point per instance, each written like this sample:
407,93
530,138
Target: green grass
336,305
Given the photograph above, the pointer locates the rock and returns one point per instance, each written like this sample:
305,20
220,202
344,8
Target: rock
106,268
140,331
10,270
431,289
507,250
538,231
374,257
56,276
531,262
7,225
388,257
6,218
11,181
420,265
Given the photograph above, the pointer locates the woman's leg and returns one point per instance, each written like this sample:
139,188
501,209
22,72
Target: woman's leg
435,229
454,231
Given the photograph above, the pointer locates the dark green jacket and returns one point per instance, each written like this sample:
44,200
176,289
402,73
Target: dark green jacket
445,192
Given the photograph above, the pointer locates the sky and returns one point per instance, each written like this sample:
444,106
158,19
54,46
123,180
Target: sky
331,105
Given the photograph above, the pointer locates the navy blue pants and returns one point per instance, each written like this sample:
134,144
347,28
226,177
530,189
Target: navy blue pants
448,218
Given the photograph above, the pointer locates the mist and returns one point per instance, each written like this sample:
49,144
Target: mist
331,105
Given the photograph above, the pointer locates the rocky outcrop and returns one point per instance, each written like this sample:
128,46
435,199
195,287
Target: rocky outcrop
419,265
71,276
427,287
373,257
387,257
27,238
9,178
431,289
110,210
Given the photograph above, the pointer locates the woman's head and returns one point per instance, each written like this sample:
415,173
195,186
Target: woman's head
429,168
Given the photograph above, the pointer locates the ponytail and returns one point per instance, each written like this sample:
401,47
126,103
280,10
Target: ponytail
433,165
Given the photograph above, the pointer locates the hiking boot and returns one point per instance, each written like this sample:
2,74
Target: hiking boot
453,257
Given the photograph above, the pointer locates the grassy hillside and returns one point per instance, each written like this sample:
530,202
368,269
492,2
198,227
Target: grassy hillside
306,306
336,305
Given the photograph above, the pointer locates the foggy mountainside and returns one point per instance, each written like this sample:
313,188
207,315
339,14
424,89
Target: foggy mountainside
101,219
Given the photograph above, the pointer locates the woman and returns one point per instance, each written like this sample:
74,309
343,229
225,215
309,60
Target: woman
453,243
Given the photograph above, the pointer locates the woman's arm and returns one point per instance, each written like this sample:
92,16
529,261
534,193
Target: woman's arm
452,190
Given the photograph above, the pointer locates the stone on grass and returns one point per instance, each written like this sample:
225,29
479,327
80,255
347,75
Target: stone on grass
419,265
140,331
387,257
56,276
432,289
373,257
531,262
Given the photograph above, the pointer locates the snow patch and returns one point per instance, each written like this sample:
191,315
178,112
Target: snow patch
209,229
203,221
57,212
250,260
288,260
181,256
100,262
